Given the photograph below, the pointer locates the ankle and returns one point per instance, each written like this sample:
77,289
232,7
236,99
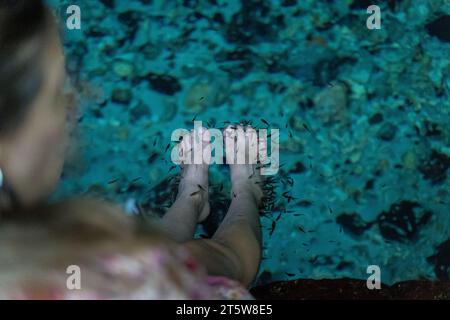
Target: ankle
249,189
193,197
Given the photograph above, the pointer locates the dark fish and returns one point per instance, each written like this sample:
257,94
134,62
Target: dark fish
304,203
167,148
306,127
154,141
301,229
194,118
290,274
290,181
201,187
194,193
113,181
272,229
265,122
221,187
288,196
331,211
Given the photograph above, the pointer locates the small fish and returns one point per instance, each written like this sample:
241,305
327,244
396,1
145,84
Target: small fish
331,211
201,187
154,141
288,196
290,274
290,181
221,187
113,181
194,193
265,122
167,148
301,229
290,134
194,118
306,128
272,229
304,203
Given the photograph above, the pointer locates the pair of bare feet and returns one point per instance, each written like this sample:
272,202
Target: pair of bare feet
245,178
235,248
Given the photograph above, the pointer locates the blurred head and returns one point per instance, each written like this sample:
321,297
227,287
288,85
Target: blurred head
32,108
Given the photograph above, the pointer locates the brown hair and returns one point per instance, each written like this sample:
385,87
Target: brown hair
36,241
24,24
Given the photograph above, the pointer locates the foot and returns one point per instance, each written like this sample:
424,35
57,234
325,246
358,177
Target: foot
194,177
246,178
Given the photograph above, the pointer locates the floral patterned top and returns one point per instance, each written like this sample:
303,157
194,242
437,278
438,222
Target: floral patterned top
154,274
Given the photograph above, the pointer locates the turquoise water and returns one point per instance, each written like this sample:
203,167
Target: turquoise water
363,116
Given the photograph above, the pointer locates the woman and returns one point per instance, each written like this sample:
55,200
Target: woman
118,256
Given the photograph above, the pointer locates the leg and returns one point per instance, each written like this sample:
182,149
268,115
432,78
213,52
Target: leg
235,249
191,205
